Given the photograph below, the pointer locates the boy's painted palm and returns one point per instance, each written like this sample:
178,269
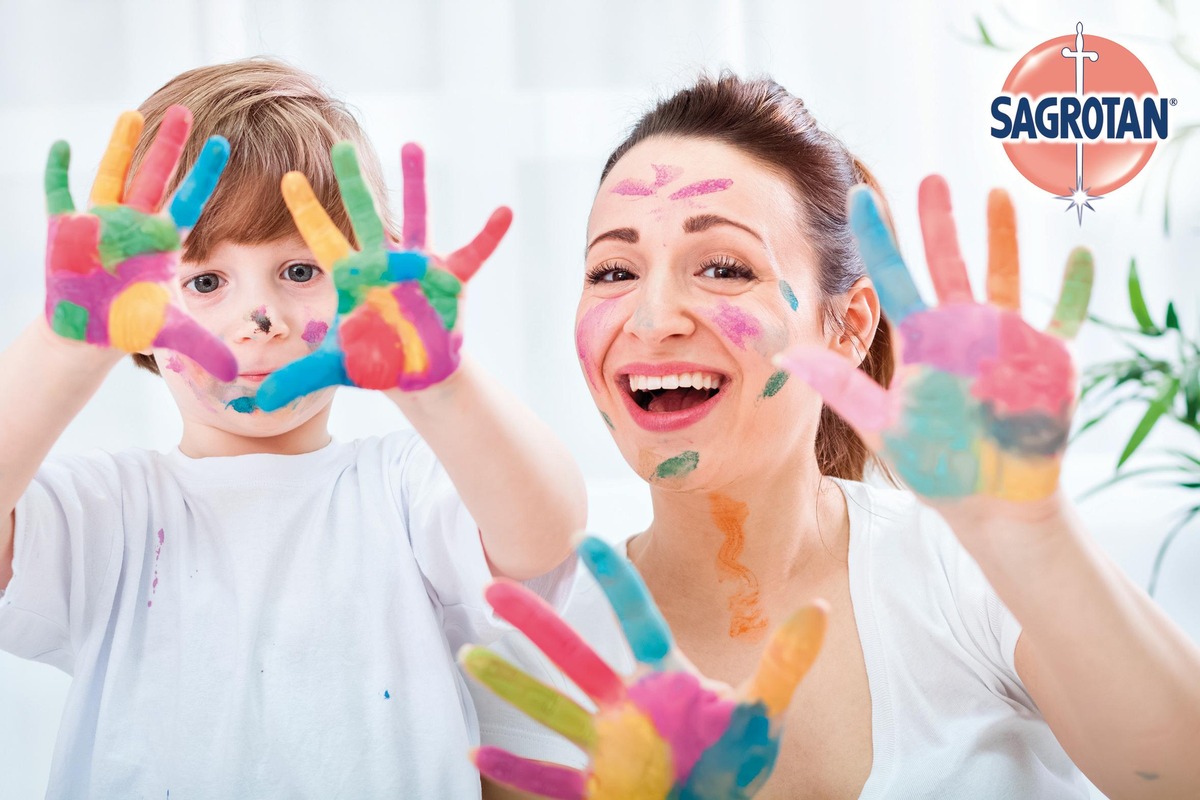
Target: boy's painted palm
663,732
981,403
108,271
397,308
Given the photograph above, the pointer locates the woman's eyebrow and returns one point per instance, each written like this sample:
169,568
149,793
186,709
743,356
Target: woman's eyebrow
705,221
620,234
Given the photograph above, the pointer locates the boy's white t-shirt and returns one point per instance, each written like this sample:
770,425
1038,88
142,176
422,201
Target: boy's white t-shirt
949,715
254,626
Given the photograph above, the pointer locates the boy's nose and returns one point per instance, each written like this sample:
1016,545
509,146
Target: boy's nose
262,322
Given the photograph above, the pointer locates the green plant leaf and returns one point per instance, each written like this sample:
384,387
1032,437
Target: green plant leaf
1191,392
1187,517
984,38
1172,318
1159,406
1137,303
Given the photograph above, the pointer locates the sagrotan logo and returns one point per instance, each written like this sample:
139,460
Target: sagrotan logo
1080,145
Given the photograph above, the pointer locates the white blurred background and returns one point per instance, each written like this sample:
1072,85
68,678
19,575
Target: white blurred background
520,102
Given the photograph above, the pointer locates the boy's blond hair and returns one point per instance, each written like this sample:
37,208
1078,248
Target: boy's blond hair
277,118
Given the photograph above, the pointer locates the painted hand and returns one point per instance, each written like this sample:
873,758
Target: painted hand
981,404
108,271
397,309
663,732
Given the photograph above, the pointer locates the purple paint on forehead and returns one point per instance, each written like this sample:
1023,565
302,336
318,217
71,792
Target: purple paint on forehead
737,325
314,331
707,186
665,173
632,187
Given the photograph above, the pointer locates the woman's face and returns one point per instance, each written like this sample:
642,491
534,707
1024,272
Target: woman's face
697,273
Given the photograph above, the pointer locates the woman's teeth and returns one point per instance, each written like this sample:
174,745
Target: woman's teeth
684,380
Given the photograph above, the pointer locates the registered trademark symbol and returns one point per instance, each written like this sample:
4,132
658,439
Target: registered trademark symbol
1174,102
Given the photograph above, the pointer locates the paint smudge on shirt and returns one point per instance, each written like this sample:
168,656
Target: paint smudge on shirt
678,466
744,606
154,581
314,331
387,695
707,186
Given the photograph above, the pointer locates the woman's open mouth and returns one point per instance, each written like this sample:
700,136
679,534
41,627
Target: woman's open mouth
667,402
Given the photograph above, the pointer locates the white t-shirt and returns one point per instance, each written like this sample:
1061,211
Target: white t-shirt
254,626
949,715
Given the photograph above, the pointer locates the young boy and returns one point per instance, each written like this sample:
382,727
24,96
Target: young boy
261,612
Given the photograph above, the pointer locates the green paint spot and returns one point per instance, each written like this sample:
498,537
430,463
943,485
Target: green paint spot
1072,306
242,405
789,295
58,195
441,290
356,274
69,320
126,232
678,466
607,421
935,449
774,384
356,197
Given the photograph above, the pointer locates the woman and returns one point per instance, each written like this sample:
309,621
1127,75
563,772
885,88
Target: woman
972,651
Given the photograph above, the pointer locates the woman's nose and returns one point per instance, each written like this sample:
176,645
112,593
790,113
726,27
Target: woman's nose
662,311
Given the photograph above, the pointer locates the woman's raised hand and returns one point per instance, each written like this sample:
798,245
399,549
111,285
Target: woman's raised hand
665,731
397,307
109,270
981,403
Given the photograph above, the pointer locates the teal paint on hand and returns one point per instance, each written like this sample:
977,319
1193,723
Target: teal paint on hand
786,290
936,447
243,405
774,384
678,466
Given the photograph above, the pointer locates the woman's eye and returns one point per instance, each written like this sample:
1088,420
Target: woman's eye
605,274
204,284
726,269
301,273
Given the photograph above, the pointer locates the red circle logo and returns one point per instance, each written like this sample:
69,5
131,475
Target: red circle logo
1085,116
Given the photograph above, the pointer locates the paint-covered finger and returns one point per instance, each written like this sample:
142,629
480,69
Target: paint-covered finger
645,629
535,699
1075,296
1004,266
534,617
320,234
150,183
200,183
184,335
58,191
114,166
317,370
897,292
946,266
867,406
537,778
412,163
466,261
356,196
792,650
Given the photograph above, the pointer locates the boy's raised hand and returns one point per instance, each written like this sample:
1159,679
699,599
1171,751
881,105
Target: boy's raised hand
665,731
397,308
981,404
109,270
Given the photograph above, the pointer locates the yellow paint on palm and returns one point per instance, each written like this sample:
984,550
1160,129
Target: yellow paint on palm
137,315
324,238
631,761
416,358
1011,477
114,166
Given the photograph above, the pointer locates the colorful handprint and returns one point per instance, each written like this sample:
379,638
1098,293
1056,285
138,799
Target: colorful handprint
108,270
397,309
981,403
663,732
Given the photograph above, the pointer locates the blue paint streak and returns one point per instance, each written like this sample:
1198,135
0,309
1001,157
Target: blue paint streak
406,265
736,766
242,405
200,182
785,289
387,695
323,367
897,292
645,629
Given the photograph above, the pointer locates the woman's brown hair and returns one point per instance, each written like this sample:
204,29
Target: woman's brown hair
763,120
277,118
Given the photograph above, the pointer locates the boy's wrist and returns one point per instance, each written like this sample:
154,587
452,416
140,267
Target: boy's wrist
79,357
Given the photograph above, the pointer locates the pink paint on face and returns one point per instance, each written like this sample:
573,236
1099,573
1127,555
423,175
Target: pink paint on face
314,331
663,174
174,364
703,187
595,324
735,324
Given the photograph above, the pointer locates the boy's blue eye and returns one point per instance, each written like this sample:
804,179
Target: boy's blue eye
301,273
205,284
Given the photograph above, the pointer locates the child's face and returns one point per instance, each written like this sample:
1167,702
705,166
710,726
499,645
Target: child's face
271,304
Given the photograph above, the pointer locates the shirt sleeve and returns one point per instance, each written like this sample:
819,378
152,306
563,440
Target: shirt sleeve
67,538
449,552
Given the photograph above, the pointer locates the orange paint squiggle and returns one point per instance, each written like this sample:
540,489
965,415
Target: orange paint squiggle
730,517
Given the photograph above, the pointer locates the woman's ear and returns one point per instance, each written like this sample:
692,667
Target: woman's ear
860,320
